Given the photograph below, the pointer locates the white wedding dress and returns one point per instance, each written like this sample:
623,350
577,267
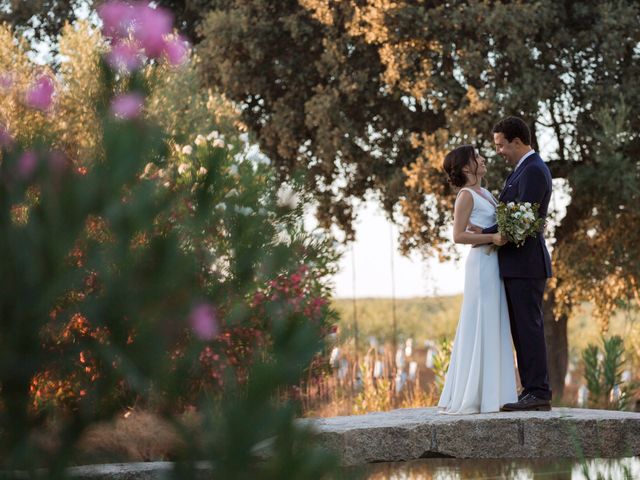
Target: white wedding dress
481,375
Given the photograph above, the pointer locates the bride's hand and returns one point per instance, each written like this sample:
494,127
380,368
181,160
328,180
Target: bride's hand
498,239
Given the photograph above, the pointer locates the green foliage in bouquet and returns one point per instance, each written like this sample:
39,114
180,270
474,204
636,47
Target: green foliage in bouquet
518,221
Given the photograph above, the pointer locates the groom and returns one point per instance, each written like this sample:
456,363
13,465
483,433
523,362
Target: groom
525,269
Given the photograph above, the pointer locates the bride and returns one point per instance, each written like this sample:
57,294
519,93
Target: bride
481,375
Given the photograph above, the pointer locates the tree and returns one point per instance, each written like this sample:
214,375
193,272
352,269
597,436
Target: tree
71,124
45,19
369,95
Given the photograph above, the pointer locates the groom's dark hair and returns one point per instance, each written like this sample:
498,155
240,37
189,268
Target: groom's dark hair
513,127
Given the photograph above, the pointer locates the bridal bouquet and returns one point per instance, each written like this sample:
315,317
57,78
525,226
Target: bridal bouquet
518,221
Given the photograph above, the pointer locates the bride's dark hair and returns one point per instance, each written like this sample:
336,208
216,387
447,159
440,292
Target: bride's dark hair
456,160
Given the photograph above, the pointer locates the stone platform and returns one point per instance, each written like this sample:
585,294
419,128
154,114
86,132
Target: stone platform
408,434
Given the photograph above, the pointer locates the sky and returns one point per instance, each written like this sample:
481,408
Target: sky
376,241
371,255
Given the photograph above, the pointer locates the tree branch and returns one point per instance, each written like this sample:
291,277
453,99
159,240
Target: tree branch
562,168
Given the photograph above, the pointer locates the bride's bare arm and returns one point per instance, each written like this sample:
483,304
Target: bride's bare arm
461,214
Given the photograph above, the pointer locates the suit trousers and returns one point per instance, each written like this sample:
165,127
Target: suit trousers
524,300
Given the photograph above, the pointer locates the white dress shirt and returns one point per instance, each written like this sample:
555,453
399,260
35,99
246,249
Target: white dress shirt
526,155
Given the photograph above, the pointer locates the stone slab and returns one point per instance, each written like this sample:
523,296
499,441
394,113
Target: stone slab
413,433
122,471
408,434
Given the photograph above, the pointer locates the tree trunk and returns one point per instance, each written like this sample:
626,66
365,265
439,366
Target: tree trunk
555,332
555,327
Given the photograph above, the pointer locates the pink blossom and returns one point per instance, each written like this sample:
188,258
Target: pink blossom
204,321
127,106
40,93
27,164
150,28
117,18
124,57
176,50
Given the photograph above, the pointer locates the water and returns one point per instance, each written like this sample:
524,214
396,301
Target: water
508,469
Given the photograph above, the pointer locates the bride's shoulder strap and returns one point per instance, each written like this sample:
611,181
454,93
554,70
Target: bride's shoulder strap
463,189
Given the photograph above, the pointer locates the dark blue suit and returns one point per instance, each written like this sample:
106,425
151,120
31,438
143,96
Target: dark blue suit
524,271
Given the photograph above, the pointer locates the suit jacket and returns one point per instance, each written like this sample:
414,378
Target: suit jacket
531,182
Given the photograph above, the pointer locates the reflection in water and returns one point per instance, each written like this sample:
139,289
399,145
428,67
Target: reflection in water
508,469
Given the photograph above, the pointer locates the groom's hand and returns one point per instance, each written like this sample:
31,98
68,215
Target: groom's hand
499,240
474,228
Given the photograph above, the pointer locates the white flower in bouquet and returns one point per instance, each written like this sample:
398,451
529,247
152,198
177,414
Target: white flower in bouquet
287,197
200,140
149,170
183,168
244,210
187,149
282,237
518,221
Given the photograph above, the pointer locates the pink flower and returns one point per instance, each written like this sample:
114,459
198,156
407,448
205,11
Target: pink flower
127,106
176,50
204,321
150,27
27,164
40,93
124,57
117,18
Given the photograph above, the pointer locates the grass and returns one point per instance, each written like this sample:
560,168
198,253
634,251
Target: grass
422,319
431,318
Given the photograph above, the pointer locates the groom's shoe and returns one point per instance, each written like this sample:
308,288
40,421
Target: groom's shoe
527,403
522,394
